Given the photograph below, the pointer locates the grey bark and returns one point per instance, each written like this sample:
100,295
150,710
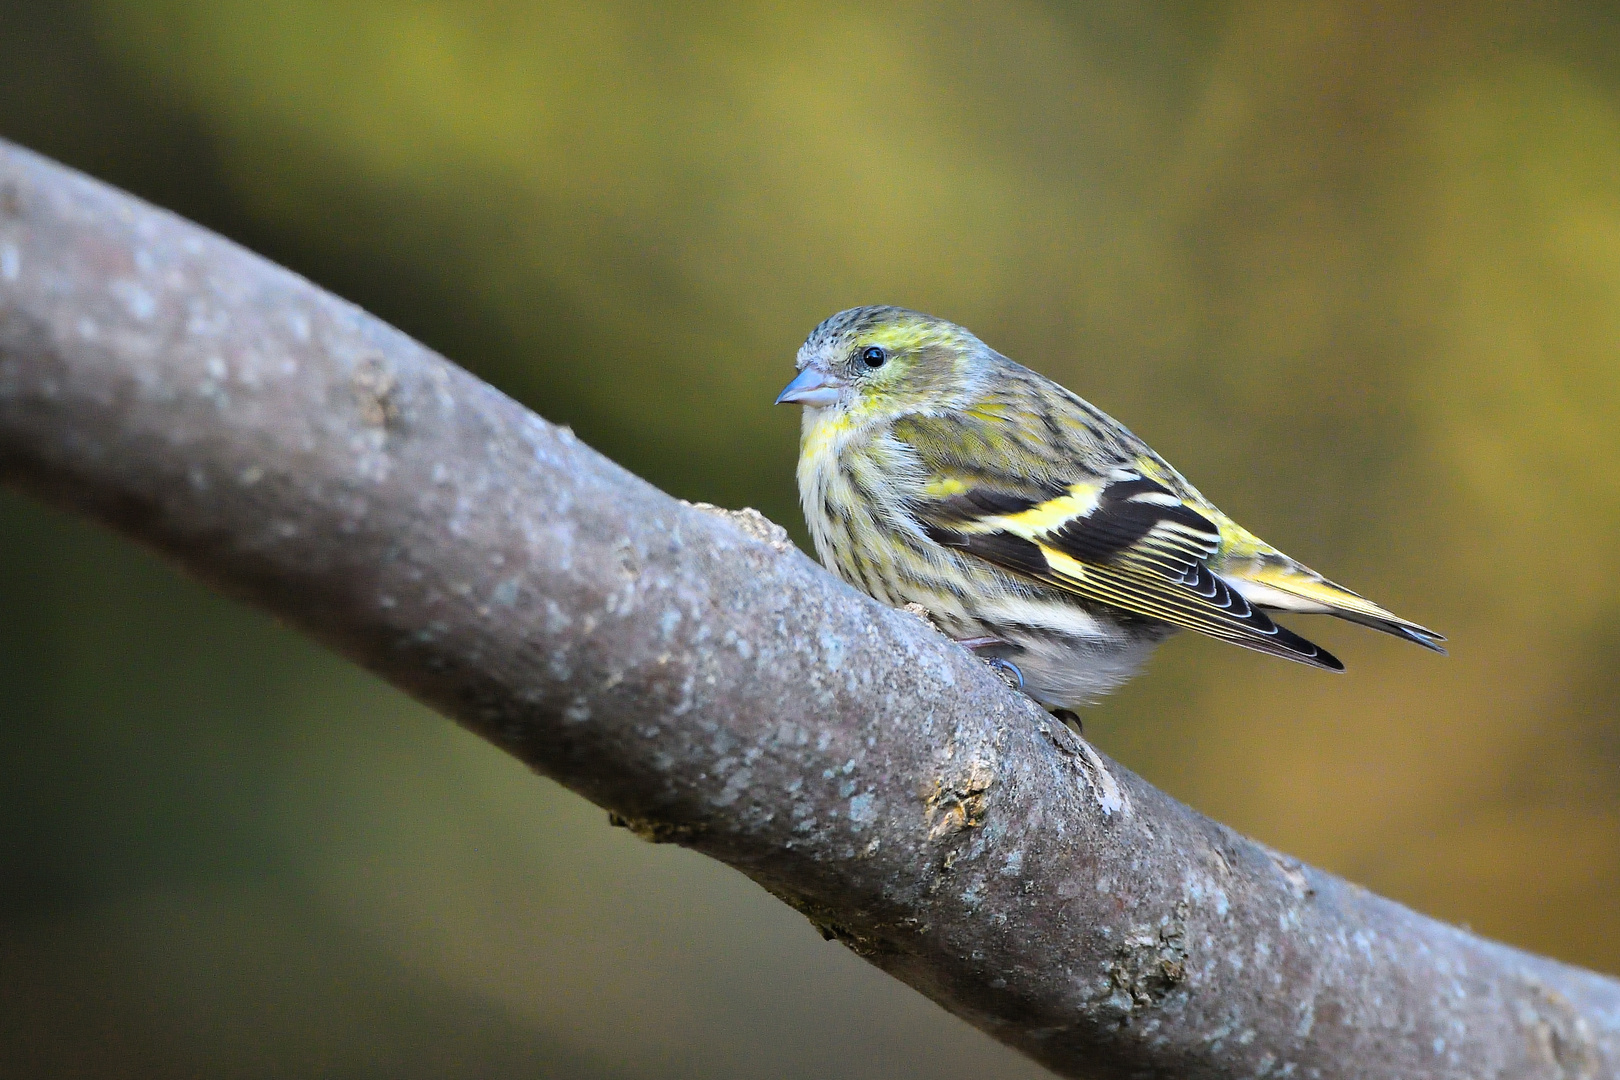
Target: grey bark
698,676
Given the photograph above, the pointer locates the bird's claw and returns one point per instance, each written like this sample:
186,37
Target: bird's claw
1007,670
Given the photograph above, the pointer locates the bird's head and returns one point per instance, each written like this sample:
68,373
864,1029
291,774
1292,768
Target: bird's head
874,362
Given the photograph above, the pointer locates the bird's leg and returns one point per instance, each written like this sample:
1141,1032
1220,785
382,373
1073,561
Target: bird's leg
981,646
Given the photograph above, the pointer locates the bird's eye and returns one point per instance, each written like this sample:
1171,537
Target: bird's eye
873,356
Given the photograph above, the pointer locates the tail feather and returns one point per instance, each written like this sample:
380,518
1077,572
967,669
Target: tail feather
1292,587
1407,631
1290,646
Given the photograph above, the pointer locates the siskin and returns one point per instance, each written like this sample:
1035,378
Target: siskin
1032,527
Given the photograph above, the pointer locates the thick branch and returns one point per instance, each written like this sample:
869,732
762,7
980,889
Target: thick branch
709,683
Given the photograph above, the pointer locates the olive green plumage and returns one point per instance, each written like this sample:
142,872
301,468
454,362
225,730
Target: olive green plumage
934,470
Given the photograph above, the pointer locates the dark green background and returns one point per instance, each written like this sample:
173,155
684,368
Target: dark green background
1354,267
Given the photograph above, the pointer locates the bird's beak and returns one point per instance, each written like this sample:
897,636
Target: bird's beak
810,387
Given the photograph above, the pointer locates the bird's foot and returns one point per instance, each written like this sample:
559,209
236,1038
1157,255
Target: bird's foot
1071,720
981,646
1007,670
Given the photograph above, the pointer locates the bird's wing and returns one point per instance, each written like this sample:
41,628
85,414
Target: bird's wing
1121,538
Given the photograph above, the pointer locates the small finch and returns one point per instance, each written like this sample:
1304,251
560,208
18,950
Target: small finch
1030,525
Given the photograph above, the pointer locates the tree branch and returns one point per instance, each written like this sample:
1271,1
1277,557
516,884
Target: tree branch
707,682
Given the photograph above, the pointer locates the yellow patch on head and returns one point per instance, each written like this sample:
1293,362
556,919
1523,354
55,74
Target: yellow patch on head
909,331
898,334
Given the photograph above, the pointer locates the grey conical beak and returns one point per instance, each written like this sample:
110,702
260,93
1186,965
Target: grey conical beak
810,387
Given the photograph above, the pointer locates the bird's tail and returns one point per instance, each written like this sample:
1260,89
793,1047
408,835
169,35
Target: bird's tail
1281,584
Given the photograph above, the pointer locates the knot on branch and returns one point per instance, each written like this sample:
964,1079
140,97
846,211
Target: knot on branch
656,832
958,803
1147,966
374,387
752,522
1560,1035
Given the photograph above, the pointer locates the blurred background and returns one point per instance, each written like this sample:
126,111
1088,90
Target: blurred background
1353,267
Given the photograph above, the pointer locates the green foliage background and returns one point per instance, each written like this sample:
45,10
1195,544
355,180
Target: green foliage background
1353,266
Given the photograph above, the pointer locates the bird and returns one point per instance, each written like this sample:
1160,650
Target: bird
1028,524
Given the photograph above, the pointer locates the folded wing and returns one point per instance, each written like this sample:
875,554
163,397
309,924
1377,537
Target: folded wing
1124,540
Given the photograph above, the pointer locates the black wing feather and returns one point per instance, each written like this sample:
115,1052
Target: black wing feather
1142,550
